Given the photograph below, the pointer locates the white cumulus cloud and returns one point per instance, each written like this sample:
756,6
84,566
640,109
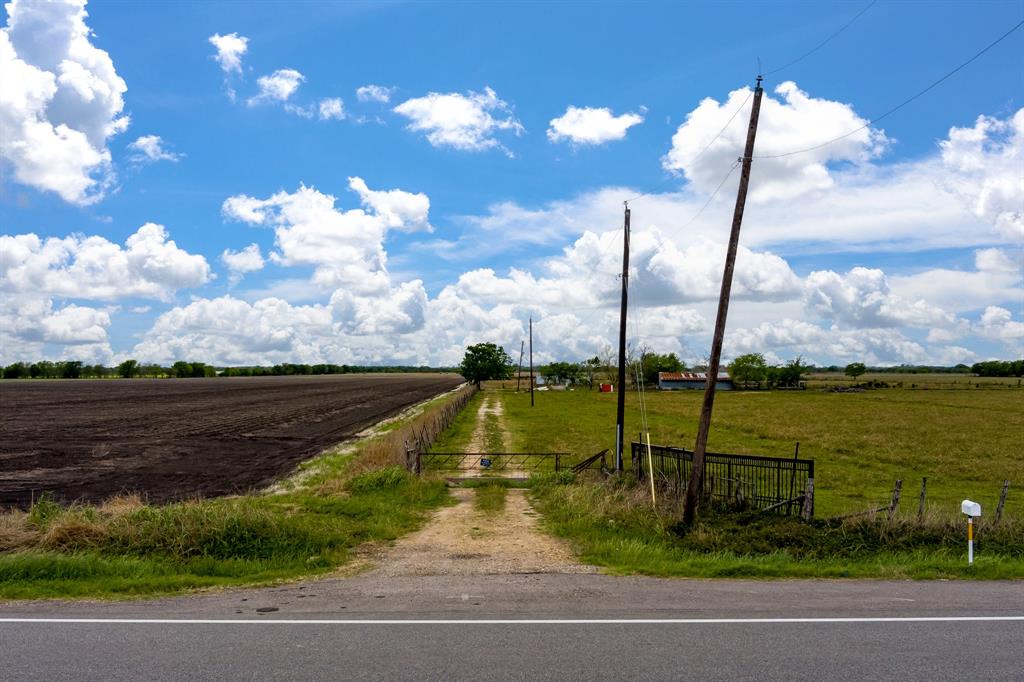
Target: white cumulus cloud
861,298
240,262
150,149
792,122
987,162
466,122
277,87
591,125
150,265
332,108
60,102
374,93
230,50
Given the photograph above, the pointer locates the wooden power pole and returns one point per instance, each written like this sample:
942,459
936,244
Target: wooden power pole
621,388
519,373
531,362
696,484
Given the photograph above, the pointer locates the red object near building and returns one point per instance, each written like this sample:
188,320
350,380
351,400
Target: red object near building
607,388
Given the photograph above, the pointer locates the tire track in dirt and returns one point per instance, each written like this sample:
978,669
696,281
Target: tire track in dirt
462,541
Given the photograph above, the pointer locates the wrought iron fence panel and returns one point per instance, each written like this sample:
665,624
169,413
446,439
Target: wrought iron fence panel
760,482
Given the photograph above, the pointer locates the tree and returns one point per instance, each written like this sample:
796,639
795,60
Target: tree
128,369
485,361
653,363
562,372
748,368
71,369
790,374
19,370
181,369
589,368
855,369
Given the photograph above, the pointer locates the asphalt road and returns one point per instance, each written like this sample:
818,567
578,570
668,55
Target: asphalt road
500,627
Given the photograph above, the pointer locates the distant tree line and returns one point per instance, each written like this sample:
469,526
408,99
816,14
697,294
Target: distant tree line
900,369
998,368
131,369
752,368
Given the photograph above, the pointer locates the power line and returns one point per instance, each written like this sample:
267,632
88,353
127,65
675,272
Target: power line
901,104
605,307
701,152
824,42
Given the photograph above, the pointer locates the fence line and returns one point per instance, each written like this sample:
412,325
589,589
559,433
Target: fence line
428,431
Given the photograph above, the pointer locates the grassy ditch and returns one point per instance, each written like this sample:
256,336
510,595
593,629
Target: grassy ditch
612,524
309,524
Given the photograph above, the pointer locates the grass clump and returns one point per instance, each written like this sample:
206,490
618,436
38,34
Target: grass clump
490,498
613,524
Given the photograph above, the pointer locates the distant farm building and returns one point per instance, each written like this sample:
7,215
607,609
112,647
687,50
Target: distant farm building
674,381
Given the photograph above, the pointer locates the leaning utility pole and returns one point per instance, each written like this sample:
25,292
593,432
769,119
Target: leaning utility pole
522,344
695,486
531,362
621,413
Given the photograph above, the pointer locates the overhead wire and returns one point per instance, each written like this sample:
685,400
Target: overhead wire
822,43
701,152
899,106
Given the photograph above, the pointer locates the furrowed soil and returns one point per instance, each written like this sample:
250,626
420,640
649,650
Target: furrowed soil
171,439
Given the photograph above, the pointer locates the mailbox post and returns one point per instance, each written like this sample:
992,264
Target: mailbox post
971,510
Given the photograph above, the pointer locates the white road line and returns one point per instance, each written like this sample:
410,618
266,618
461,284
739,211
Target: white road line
509,621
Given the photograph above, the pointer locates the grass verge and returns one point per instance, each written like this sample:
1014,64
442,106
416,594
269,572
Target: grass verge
307,525
612,524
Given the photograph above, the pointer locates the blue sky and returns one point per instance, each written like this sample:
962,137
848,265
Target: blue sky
511,134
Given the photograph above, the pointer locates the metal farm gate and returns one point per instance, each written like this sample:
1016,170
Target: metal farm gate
766,483
506,464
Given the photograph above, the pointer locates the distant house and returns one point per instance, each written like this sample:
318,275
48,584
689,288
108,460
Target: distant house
674,381
524,378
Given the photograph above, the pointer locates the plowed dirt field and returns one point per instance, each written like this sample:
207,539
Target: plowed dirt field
171,439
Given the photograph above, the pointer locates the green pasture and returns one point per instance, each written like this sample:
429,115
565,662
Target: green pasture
965,442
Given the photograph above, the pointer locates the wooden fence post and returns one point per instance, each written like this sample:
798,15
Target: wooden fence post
1002,500
808,511
895,497
920,502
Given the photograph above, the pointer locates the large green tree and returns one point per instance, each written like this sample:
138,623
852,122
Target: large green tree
128,369
485,361
855,369
749,368
653,363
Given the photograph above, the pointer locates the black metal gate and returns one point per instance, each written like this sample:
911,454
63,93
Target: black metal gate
507,464
776,483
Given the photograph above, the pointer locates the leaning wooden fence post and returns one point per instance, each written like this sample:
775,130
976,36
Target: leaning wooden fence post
895,497
1002,500
808,510
920,502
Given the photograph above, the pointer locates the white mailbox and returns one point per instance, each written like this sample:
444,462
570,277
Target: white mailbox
972,509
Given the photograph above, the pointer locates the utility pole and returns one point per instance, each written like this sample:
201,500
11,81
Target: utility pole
696,484
531,362
621,412
522,344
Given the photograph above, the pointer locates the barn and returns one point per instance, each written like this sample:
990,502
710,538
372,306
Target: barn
674,381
